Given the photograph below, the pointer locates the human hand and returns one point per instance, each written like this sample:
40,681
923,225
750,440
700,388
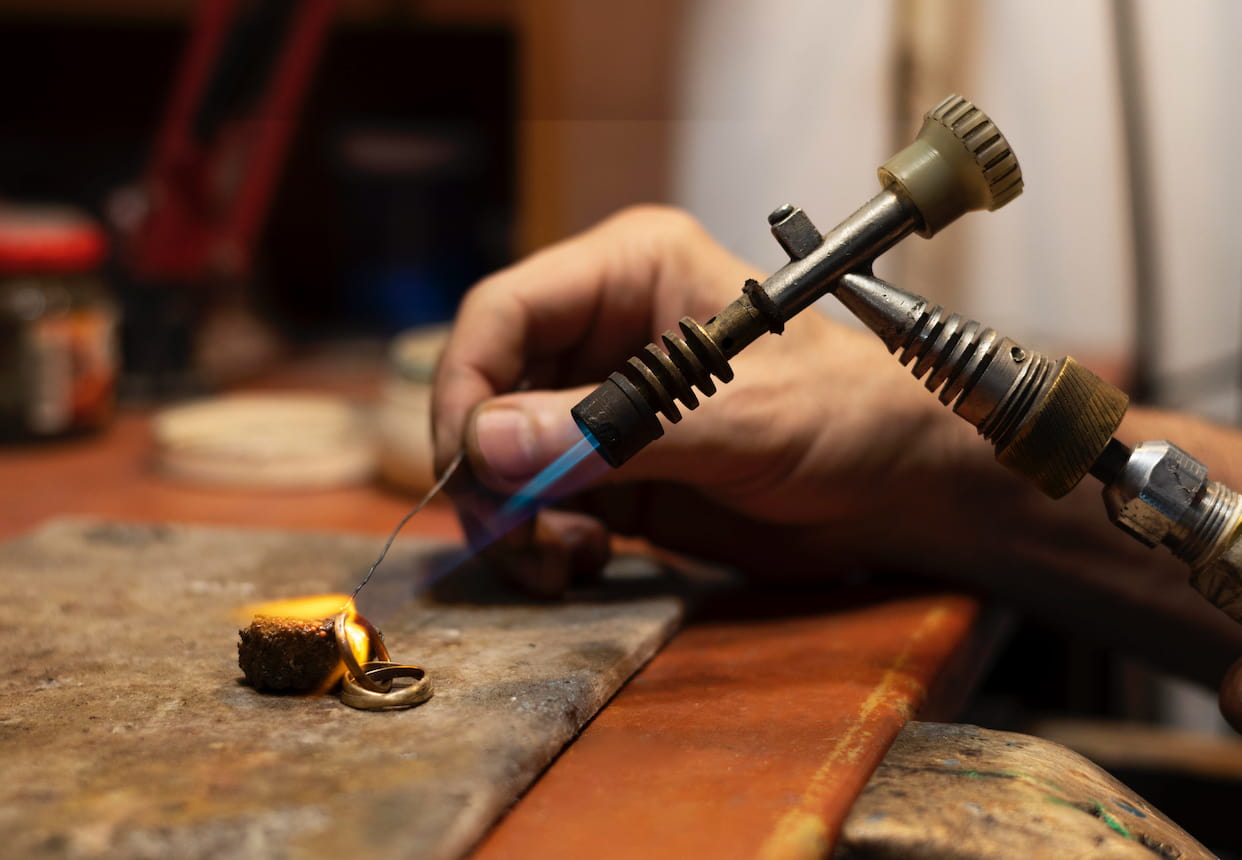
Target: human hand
822,455
805,447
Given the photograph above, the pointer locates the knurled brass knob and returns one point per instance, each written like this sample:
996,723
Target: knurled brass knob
1065,430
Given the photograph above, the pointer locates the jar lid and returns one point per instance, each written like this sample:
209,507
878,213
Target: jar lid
273,440
46,238
415,352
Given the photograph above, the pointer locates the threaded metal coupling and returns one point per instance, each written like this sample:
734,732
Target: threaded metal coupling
1049,420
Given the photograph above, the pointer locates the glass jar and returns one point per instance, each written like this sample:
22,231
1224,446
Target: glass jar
58,323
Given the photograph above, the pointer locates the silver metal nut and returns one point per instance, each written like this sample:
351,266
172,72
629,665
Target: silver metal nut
1155,495
795,232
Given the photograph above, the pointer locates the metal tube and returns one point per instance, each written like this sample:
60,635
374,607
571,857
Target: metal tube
878,225
960,162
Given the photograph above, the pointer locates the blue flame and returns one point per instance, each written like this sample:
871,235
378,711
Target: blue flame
571,471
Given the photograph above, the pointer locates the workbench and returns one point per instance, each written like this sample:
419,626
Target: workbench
750,734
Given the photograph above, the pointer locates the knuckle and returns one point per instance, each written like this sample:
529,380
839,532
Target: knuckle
476,296
658,217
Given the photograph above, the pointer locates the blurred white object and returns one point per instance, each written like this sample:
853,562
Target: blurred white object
405,446
793,100
272,441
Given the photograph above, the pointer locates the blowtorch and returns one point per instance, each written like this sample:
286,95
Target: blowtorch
1050,420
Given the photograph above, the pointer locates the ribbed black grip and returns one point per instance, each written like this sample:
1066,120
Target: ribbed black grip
621,415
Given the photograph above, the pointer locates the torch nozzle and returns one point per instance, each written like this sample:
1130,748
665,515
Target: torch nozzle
621,416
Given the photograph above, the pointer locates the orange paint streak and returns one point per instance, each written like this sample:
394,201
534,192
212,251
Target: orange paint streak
805,832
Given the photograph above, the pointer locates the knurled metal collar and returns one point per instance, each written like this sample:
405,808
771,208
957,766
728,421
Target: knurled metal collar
985,143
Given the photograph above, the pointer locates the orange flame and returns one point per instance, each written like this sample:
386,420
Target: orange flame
314,608
309,608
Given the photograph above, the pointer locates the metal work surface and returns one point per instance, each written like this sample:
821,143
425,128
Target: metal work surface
124,730
626,766
954,792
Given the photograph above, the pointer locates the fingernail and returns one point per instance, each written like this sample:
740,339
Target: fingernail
506,437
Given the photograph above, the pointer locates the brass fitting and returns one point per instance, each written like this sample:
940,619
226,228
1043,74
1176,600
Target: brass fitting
1065,430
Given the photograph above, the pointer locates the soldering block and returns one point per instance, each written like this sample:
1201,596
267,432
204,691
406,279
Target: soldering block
289,655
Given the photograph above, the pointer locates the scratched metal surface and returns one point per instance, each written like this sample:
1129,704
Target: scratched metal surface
124,730
957,792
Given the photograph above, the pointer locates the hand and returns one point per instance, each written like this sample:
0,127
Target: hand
818,439
821,455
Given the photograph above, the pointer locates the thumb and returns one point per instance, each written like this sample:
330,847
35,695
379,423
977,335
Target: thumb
513,438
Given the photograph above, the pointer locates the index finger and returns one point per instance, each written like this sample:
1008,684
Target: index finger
588,302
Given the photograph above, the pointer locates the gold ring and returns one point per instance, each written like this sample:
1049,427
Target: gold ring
357,696
375,644
385,670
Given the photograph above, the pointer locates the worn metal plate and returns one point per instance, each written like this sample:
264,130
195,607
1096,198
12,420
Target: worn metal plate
958,792
124,730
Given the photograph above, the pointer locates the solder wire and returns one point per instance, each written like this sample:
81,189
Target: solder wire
555,480
549,484
431,494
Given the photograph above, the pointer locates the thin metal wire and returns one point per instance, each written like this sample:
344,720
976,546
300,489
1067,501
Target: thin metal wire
431,494
369,686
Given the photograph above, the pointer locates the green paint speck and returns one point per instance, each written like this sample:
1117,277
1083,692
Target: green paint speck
1096,811
1112,822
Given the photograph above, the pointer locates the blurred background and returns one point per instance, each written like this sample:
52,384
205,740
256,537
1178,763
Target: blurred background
433,141
407,147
